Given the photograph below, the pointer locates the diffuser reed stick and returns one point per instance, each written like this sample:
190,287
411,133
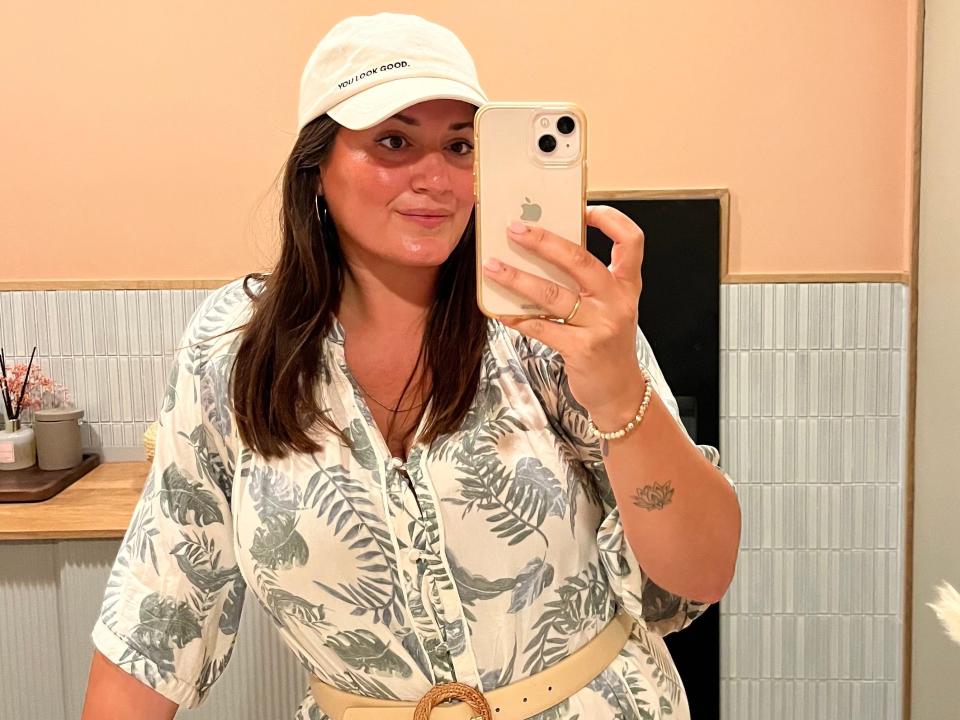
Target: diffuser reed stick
7,406
26,382
13,412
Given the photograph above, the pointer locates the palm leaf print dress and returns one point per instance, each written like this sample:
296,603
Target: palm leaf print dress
485,557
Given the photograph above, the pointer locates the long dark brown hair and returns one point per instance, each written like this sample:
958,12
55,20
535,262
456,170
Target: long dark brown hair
277,396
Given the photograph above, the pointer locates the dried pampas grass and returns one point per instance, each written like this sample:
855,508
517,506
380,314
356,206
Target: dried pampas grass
150,440
947,609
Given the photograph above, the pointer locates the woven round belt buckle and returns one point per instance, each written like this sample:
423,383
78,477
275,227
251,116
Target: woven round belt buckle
453,691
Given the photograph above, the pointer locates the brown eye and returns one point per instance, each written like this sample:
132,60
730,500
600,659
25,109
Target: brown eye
461,147
393,142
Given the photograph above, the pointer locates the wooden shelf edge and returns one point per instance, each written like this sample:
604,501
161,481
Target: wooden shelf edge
53,535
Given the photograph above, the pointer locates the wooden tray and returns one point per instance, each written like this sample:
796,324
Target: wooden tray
33,484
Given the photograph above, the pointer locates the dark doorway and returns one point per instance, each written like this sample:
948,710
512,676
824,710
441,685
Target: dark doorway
679,313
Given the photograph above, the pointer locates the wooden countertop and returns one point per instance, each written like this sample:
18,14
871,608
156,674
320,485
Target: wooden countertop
98,505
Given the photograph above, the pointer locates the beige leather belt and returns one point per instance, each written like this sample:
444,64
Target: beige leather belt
516,701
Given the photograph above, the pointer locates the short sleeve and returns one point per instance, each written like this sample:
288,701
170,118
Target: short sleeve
173,599
662,611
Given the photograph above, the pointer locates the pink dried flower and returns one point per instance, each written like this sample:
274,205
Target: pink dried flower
39,384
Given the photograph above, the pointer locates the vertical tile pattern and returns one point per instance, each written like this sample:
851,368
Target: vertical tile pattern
111,348
812,430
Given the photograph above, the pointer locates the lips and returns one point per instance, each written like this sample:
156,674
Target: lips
425,213
424,220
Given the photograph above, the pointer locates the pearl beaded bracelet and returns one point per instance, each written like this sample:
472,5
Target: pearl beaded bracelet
615,434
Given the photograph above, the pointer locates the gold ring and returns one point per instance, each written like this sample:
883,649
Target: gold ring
576,306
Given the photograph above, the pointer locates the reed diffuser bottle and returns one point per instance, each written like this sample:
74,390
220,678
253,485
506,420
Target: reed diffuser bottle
18,446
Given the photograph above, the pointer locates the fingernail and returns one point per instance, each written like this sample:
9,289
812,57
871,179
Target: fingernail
493,264
517,227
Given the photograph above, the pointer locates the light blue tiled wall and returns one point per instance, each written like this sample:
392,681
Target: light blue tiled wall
813,395
111,348
812,430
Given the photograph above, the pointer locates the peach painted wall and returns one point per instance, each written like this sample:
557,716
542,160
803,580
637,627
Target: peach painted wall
143,140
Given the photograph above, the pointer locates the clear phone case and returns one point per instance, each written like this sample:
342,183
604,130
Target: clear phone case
519,177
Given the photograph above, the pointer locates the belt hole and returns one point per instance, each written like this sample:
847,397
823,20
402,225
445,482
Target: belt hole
497,709
524,699
549,687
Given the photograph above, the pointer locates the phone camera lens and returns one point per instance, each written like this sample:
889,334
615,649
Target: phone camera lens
566,124
548,143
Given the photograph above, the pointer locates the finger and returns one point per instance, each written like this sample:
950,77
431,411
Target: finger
588,272
554,299
556,335
628,242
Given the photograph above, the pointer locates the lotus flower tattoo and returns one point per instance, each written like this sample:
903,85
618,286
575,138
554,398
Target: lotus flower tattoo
653,497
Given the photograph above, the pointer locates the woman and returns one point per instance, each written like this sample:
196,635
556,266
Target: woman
412,490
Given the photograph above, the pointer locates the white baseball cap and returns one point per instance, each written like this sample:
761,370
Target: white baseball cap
368,68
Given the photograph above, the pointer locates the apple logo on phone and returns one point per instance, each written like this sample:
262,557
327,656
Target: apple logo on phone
530,211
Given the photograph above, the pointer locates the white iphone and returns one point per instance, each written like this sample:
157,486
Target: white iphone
529,165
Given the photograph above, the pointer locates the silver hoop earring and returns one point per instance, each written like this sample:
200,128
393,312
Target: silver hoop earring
316,203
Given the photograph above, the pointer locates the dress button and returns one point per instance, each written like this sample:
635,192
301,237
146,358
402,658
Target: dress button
396,463
443,648
414,554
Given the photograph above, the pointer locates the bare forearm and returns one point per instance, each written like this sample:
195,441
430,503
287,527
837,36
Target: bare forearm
113,694
679,514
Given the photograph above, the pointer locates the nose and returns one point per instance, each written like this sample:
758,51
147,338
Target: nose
431,173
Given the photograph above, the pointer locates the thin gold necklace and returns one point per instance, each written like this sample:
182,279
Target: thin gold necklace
386,407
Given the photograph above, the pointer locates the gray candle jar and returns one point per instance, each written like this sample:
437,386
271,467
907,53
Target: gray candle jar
58,438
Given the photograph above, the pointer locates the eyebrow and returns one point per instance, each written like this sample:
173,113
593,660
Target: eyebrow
407,120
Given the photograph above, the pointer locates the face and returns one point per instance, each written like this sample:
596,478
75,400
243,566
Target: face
401,192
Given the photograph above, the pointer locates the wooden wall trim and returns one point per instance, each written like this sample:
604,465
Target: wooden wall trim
177,284
906,710
726,277
730,278
834,277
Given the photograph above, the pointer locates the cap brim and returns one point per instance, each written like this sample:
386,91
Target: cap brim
377,103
